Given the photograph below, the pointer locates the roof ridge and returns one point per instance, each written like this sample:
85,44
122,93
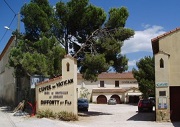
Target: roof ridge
165,34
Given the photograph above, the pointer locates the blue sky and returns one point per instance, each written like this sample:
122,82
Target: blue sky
148,18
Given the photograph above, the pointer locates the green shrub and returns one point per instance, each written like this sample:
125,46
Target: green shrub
45,113
65,116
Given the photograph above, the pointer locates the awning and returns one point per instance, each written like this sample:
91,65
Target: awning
134,94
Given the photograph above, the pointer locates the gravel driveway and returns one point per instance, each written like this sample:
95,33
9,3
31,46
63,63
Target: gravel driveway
120,115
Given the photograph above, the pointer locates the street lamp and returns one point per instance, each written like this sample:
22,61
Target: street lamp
6,27
14,33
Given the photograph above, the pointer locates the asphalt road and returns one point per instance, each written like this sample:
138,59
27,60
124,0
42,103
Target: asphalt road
99,115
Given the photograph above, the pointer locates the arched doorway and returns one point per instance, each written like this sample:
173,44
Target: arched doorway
174,103
101,99
118,100
133,99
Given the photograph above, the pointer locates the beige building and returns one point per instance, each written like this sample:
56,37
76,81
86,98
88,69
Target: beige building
167,72
122,86
54,93
12,90
8,89
59,94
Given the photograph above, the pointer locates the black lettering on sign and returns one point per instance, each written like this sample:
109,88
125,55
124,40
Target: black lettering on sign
57,96
53,86
67,102
45,88
61,92
46,93
61,102
63,83
49,102
70,81
59,84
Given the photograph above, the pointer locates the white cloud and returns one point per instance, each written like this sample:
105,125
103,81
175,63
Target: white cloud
142,39
132,63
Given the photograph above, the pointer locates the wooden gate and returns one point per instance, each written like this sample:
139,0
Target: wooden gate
175,103
101,99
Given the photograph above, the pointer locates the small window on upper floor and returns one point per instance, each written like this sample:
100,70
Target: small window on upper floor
161,63
116,83
67,65
101,83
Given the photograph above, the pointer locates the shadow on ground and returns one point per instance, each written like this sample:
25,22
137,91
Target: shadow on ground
134,104
176,124
6,108
143,116
91,113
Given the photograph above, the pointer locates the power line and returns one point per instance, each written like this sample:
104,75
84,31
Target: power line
9,27
11,20
9,7
3,35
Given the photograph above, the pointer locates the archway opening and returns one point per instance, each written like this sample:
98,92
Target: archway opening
118,100
101,99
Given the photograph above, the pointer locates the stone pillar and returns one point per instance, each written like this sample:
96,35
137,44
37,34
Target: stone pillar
162,86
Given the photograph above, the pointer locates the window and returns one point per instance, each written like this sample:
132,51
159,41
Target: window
161,63
67,65
162,93
101,83
116,83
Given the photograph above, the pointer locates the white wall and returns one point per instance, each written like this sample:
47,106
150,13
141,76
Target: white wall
108,83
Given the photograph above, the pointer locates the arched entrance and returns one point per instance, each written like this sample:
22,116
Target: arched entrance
118,100
133,99
174,103
101,99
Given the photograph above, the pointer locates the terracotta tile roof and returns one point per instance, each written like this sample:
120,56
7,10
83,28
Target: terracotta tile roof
108,90
125,75
7,46
131,88
50,80
113,90
165,34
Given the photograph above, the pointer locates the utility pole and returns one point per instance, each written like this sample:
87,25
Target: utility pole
18,23
18,79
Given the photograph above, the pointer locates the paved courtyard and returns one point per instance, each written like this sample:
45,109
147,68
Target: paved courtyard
99,115
120,115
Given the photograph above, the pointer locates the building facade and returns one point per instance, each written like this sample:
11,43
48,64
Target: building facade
167,72
121,86
12,89
59,94
7,80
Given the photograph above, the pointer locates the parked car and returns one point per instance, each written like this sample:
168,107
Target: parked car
152,99
83,104
145,105
112,101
